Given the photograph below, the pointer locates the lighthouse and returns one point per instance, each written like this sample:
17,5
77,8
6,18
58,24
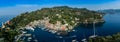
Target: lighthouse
3,26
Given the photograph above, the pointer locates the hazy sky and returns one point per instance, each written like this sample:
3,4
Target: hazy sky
10,7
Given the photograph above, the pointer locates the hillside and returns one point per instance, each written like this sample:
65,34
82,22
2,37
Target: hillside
57,19
65,14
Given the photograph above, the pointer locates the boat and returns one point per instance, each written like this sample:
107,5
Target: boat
94,35
43,28
74,41
74,36
27,34
73,30
24,32
84,40
60,37
53,31
29,28
29,38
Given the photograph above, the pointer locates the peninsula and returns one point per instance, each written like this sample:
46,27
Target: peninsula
57,19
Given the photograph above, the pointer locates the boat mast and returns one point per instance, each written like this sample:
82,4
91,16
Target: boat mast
94,21
94,34
94,27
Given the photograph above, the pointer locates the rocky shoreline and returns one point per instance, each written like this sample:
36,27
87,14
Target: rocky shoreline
58,28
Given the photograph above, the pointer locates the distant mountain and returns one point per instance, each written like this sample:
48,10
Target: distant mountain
110,11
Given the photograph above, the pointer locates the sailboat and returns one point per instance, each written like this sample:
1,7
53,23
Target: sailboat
84,40
94,35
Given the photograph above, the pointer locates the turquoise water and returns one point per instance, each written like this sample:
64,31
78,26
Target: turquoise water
111,26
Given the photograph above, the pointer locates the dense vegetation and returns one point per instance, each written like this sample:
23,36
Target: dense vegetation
65,13
113,38
8,35
62,14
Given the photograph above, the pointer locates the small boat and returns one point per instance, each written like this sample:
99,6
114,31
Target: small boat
73,30
60,37
58,33
50,31
27,34
93,36
43,28
30,28
46,29
74,41
84,40
24,32
73,36
29,38
53,31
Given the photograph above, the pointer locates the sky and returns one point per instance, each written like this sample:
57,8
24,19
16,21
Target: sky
15,7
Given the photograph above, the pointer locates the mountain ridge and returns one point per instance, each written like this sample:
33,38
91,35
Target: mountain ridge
110,11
